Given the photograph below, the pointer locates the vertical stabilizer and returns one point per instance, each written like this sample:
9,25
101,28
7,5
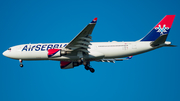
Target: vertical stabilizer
162,28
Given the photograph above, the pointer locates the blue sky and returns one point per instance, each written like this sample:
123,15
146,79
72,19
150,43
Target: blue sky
152,76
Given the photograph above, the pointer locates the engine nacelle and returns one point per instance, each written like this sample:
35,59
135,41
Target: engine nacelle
68,65
56,52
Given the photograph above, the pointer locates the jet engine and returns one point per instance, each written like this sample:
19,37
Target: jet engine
68,65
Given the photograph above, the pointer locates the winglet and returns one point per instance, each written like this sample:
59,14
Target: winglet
129,57
94,20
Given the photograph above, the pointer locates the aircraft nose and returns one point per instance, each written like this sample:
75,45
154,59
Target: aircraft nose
5,53
10,54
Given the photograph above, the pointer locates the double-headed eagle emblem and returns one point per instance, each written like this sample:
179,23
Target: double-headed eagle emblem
162,30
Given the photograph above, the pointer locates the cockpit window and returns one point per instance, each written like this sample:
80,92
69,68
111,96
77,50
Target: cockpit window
9,49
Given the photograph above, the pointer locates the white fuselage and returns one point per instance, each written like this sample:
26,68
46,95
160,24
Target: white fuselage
98,50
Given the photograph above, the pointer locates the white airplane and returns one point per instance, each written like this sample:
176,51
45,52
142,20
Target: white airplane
80,51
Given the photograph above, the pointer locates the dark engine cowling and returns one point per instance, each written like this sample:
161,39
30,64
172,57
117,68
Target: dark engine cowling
56,52
68,65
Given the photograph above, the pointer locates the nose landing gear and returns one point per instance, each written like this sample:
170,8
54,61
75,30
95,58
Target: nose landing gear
21,65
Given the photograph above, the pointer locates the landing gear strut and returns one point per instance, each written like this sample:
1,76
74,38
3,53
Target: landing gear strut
21,65
88,67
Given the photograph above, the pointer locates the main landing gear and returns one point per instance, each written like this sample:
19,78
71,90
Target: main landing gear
87,66
21,65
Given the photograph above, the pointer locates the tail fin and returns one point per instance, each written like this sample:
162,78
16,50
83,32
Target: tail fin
161,29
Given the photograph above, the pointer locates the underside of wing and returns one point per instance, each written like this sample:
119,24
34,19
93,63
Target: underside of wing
81,42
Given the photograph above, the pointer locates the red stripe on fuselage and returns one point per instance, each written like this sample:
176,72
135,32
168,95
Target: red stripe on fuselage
52,51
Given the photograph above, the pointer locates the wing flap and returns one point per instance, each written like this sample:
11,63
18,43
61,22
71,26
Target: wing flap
88,39
159,40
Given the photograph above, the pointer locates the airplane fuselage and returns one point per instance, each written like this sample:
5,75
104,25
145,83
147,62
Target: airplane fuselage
97,50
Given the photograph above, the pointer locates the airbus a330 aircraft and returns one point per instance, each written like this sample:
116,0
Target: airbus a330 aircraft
81,51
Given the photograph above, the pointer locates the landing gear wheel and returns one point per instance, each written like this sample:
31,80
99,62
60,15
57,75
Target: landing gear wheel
92,70
86,67
21,65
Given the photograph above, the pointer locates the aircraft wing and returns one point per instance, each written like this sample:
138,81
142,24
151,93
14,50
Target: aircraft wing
82,40
115,59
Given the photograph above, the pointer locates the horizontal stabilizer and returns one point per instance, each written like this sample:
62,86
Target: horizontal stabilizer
159,40
171,45
115,59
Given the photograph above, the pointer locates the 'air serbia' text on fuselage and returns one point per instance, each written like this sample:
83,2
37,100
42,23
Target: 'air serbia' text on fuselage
42,47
